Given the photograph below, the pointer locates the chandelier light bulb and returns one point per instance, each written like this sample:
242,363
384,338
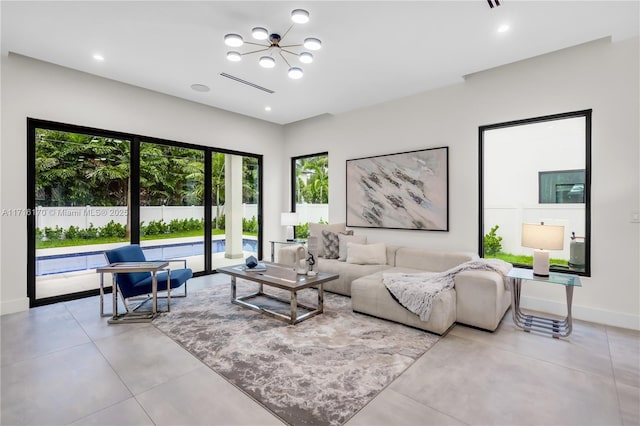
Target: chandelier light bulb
267,62
295,73
312,43
260,33
305,57
234,56
300,16
233,40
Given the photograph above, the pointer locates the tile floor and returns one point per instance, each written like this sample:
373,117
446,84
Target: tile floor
64,365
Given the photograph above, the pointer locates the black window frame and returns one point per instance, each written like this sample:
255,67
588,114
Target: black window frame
587,114
134,171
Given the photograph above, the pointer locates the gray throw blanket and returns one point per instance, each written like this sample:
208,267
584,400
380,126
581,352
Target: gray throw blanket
416,292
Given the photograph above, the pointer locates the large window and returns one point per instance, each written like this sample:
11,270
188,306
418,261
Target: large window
91,190
82,207
235,186
310,190
172,203
532,171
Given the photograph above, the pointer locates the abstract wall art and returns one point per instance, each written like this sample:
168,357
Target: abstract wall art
408,190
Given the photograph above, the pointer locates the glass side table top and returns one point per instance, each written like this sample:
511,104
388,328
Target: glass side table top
553,278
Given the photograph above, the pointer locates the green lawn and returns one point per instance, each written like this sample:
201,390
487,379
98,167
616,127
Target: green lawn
518,259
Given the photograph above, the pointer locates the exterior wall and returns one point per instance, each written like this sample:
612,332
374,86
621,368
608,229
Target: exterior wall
600,75
36,89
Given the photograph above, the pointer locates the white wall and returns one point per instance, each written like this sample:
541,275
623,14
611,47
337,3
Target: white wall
600,75
40,90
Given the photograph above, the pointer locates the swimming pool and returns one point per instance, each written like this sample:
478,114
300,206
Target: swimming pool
61,263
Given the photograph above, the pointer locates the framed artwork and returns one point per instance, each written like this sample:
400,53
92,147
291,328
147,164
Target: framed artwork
408,190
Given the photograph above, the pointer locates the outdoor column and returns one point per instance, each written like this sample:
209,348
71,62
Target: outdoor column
233,206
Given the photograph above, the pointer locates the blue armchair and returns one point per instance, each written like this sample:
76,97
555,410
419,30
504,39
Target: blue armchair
139,283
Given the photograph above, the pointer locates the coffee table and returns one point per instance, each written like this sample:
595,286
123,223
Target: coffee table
282,277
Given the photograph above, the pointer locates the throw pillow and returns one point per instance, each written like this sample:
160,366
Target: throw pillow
330,245
367,254
315,230
344,239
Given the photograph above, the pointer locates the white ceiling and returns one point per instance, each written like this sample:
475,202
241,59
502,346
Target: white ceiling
373,51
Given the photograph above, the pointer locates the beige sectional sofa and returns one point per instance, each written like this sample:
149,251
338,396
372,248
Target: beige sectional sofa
479,298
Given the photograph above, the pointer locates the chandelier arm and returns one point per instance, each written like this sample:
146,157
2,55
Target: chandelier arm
289,52
255,51
286,32
284,59
291,45
257,44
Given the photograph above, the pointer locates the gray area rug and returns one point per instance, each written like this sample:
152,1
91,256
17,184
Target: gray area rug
319,372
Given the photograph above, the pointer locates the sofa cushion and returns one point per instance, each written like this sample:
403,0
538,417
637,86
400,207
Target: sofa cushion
315,230
330,245
347,273
344,239
370,296
367,254
431,260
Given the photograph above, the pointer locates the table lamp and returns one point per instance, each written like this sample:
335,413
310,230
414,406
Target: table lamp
289,220
542,238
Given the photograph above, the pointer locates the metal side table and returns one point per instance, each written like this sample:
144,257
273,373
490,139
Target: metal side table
129,267
527,322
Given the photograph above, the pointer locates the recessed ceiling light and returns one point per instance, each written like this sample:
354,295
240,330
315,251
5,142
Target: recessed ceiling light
503,28
200,87
98,57
267,108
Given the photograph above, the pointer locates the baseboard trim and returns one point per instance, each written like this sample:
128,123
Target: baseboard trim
14,305
600,316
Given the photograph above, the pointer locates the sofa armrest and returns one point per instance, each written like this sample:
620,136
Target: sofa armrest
287,254
481,298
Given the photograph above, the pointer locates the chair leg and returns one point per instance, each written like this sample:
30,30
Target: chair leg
125,301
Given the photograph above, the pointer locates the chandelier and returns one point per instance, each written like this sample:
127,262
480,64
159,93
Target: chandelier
272,45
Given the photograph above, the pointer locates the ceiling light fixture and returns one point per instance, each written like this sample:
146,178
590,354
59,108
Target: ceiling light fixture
98,57
298,16
503,28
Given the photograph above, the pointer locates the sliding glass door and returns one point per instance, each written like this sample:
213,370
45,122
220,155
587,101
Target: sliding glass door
172,203
82,208
235,215
92,190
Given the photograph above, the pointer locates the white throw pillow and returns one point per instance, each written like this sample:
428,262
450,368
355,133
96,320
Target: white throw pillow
315,230
367,254
344,239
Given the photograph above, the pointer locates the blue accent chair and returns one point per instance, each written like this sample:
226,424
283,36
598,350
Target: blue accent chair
139,283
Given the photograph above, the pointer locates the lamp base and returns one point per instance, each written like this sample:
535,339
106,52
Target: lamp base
290,233
541,263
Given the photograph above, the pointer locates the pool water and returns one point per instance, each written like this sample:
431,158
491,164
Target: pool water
58,264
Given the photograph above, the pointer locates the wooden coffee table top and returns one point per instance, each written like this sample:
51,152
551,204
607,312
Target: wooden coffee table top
276,275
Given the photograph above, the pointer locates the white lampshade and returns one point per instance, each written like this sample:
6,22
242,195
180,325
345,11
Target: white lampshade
289,219
234,56
545,237
300,16
305,57
233,40
312,43
542,238
267,62
295,73
259,33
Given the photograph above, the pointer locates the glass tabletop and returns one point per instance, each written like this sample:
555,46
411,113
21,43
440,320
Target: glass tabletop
553,278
